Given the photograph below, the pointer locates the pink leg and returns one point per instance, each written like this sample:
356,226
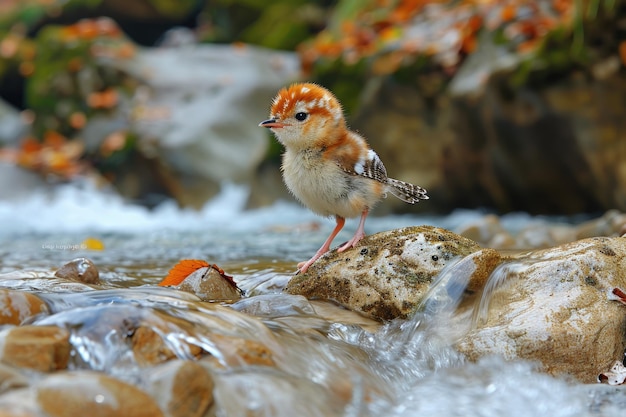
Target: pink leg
360,234
303,266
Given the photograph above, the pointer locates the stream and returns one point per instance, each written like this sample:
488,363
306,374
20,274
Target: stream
327,361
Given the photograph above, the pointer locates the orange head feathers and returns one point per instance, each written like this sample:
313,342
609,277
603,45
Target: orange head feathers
303,113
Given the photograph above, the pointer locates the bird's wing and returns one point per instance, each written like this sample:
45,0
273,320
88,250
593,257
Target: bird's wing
369,167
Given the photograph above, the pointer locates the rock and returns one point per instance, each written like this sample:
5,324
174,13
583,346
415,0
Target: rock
386,275
209,285
19,403
88,393
42,348
17,183
181,388
534,146
553,306
81,270
236,351
189,115
18,306
12,127
150,348
11,378
489,231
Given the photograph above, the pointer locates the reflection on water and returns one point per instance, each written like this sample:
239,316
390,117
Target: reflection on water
306,358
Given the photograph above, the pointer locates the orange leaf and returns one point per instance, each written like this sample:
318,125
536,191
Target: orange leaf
91,243
30,145
182,270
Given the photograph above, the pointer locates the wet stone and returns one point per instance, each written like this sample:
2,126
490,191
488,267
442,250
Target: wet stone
42,348
181,388
81,270
18,306
209,285
554,306
150,348
87,393
386,275
11,378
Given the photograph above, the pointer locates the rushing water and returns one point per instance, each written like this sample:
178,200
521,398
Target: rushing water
327,361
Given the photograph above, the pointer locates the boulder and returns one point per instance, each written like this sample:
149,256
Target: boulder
553,306
546,148
198,111
387,274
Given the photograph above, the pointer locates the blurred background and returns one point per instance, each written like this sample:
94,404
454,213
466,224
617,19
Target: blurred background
508,105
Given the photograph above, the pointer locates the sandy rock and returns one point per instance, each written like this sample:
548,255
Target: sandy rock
42,348
87,393
386,275
81,270
181,388
209,285
17,306
553,306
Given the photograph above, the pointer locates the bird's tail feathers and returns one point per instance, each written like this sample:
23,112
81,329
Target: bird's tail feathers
406,192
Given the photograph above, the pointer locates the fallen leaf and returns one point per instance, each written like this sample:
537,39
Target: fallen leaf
182,270
91,243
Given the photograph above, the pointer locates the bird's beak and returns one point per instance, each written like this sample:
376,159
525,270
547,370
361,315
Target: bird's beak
269,123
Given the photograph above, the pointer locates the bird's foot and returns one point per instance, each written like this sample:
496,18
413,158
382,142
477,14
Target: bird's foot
303,266
351,243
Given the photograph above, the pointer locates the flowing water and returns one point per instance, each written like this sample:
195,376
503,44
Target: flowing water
327,361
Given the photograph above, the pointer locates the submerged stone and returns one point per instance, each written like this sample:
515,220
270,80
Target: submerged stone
386,275
181,388
88,393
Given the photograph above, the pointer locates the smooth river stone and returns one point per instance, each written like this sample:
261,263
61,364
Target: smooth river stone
42,348
17,306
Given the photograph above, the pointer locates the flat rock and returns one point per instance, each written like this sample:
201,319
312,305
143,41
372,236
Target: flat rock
554,306
387,274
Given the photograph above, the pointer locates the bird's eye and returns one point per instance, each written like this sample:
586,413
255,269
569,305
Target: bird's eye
301,116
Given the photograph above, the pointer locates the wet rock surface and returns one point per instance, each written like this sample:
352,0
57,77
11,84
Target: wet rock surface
554,306
81,270
42,348
17,306
386,275
209,285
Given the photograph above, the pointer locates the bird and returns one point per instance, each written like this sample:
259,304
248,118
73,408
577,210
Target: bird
328,167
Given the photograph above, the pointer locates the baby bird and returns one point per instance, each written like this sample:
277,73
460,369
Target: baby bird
326,166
